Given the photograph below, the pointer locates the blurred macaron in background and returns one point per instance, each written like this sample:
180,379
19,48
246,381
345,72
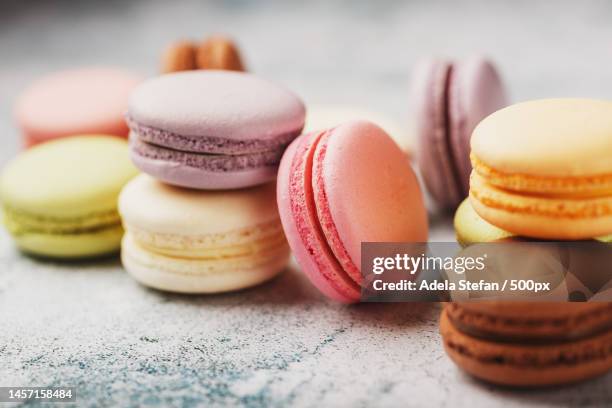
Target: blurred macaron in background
76,101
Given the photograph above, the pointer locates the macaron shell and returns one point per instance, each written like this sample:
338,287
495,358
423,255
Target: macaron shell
365,191
562,137
524,365
185,275
475,90
429,96
68,178
231,105
301,225
149,205
183,175
80,101
67,246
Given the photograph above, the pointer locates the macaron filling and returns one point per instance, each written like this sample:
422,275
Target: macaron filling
208,153
259,239
20,223
201,266
305,212
208,162
210,144
579,186
554,206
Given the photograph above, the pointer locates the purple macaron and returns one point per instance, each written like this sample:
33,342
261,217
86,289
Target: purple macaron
450,99
212,129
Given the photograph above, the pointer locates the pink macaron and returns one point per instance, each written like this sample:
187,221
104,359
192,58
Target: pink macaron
338,188
212,129
89,100
449,100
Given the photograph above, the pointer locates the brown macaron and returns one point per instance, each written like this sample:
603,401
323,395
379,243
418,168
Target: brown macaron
179,56
218,52
527,344
534,321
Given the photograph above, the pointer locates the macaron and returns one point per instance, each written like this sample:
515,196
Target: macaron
194,241
527,344
59,199
542,169
212,129
338,188
216,52
89,100
449,99
321,117
470,228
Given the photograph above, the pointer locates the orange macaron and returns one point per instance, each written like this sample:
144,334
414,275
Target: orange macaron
542,169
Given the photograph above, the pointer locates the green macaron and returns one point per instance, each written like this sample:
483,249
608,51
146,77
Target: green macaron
470,228
59,199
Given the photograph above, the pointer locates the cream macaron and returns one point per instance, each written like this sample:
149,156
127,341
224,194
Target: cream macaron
194,241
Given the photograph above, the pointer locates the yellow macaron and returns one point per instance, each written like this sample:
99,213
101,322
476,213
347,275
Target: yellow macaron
543,169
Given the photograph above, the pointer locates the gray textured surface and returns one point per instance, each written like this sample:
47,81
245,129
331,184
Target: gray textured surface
282,344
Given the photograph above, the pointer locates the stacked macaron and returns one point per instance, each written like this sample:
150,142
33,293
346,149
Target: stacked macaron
59,198
203,219
529,344
542,170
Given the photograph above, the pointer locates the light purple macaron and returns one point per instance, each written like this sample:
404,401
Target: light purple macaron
212,129
450,99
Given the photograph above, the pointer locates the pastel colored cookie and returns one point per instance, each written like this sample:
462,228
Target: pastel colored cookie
59,199
449,99
194,241
470,228
327,116
529,362
338,188
212,129
542,169
80,101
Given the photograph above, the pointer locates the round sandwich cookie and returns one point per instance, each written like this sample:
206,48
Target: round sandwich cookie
527,345
320,117
338,188
542,169
194,241
88,100
471,228
449,99
59,199
212,129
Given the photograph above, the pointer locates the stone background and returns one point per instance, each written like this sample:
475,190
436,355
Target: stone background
281,344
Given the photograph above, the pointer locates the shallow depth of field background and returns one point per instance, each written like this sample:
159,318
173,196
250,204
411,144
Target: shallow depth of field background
282,344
